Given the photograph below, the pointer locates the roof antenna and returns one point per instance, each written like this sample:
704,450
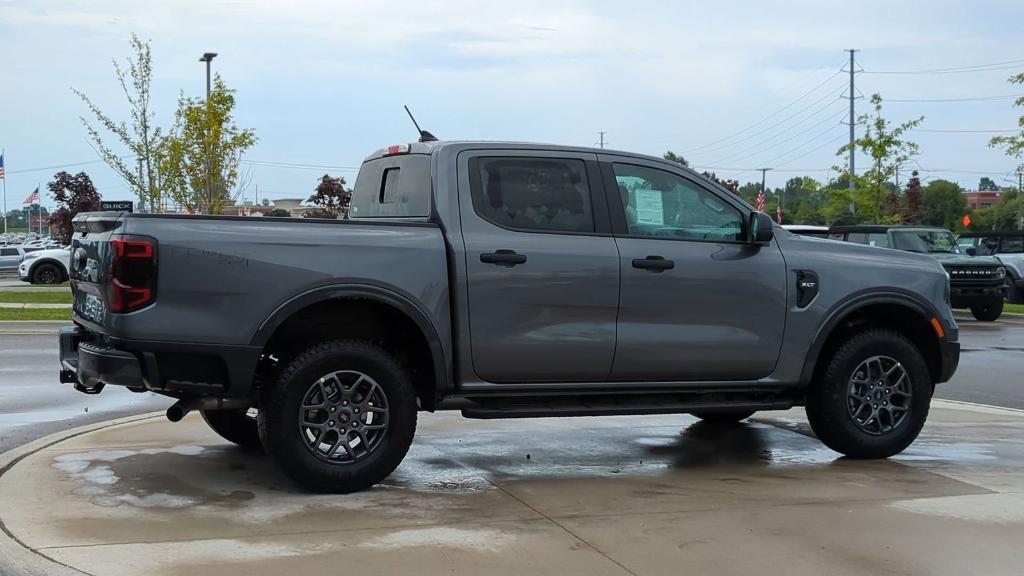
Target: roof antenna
424,135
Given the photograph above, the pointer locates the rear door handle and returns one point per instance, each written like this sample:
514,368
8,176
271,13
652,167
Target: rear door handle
653,263
507,258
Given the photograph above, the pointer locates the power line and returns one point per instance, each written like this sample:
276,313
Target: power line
773,161
790,139
299,166
779,123
766,118
950,131
1005,65
968,99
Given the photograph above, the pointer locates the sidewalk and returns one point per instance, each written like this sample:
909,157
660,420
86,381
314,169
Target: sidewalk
615,495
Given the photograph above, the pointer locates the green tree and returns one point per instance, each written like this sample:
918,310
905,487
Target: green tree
944,204
673,157
986,184
140,135
201,157
73,194
888,148
912,206
1013,146
279,213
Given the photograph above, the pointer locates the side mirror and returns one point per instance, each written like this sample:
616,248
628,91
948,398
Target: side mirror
761,231
971,251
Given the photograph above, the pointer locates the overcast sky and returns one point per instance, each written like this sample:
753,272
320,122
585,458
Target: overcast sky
323,82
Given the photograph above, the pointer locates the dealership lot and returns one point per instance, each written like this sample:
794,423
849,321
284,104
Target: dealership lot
613,495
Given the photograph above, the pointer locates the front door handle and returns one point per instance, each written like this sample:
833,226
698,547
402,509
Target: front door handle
653,263
507,258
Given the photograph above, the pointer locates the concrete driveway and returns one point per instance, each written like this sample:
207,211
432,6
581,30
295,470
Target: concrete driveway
617,495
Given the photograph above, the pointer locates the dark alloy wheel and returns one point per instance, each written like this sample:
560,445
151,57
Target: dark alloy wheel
879,394
989,312
343,416
235,426
872,398
724,417
340,417
47,274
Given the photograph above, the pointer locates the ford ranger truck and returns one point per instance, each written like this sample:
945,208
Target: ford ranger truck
503,280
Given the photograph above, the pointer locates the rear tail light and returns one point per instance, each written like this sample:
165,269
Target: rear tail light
396,149
131,280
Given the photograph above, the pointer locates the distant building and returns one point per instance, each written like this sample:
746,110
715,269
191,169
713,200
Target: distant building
982,198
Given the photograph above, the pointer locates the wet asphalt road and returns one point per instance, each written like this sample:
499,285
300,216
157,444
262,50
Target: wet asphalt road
33,403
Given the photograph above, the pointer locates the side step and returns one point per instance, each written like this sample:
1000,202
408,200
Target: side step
622,404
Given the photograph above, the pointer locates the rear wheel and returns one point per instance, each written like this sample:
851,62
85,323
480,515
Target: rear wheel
874,396
724,417
236,426
47,274
989,312
340,417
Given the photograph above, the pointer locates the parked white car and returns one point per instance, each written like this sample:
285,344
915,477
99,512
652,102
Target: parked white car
45,266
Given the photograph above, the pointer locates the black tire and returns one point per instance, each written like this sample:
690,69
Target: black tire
300,456
47,274
235,426
829,406
724,417
989,312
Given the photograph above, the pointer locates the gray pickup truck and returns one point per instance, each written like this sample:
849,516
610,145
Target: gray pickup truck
505,281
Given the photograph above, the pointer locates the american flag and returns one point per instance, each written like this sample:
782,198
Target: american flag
760,200
33,197
1,166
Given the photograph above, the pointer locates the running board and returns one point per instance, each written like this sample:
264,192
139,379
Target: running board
491,408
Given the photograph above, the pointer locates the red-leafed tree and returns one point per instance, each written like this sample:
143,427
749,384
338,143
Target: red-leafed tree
73,194
331,197
913,201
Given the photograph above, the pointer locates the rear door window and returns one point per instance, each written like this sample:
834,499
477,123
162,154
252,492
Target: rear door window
857,237
393,187
878,239
1012,245
533,194
987,246
8,252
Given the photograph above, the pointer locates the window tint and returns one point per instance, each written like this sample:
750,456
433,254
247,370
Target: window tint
8,252
987,246
857,237
837,236
550,194
1012,245
660,203
879,240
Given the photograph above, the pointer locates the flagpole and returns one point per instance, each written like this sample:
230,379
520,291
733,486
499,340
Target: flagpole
5,194
39,202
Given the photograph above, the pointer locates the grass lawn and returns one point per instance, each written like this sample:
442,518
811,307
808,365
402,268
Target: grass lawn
1015,308
36,297
35,314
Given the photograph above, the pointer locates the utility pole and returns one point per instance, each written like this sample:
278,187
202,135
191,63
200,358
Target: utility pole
208,58
3,175
1020,198
852,119
600,141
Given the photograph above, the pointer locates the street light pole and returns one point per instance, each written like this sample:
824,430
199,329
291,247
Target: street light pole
208,58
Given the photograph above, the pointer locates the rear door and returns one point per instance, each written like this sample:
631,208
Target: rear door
9,258
697,302
542,266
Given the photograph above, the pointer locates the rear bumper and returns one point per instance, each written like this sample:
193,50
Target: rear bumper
90,362
90,366
949,359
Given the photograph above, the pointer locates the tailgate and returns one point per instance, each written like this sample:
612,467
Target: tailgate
90,265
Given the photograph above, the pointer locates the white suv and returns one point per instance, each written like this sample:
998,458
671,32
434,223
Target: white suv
45,266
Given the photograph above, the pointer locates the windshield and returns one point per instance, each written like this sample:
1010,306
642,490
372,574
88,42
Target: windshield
925,241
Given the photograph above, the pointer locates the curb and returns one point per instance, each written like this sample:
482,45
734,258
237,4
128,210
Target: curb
15,556
34,305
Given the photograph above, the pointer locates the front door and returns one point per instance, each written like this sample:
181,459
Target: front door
697,302
542,266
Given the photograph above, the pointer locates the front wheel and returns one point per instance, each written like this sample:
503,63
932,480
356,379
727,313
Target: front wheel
47,274
874,396
340,417
989,312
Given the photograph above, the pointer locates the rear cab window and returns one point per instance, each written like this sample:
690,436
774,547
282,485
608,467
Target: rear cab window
392,187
